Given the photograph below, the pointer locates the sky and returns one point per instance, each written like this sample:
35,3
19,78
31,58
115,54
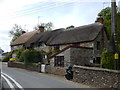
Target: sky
62,13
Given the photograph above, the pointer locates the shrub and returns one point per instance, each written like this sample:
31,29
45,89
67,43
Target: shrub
119,56
18,53
6,58
31,56
21,59
107,60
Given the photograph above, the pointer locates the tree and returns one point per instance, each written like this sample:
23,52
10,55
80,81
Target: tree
16,31
48,26
107,55
69,27
106,13
107,19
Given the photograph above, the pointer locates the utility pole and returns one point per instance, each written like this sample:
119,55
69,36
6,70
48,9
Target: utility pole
114,33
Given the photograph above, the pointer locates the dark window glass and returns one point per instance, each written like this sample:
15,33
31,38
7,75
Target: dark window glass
32,45
97,61
56,47
98,45
76,44
59,61
41,45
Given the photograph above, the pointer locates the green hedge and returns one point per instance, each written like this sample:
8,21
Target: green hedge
6,58
107,60
31,56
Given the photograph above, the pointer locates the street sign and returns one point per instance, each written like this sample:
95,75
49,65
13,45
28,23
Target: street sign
116,56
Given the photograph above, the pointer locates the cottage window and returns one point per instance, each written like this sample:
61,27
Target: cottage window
59,61
98,45
97,60
42,45
44,56
76,44
20,46
32,45
14,47
56,47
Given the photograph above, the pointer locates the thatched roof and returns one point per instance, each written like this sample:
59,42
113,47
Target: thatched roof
45,36
23,38
84,33
79,34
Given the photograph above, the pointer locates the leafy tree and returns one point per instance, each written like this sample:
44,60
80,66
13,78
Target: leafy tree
16,31
106,13
107,19
69,27
118,27
48,26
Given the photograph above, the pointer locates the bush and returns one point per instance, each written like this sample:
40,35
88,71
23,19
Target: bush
107,60
31,56
6,58
119,56
18,53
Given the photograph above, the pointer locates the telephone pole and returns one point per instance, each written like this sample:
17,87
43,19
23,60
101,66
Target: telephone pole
114,33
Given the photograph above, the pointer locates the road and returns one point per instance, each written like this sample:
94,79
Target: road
20,78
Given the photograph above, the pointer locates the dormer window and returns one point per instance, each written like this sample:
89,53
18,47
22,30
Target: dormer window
42,45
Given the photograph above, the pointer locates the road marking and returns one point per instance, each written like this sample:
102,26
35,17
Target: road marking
9,83
18,85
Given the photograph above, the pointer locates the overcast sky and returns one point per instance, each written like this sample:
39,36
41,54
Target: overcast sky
61,13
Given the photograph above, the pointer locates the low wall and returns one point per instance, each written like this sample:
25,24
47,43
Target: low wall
97,77
55,70
23,66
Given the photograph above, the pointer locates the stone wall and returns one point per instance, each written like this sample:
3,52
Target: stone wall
55,70
97,77
23,66
81,56
102,38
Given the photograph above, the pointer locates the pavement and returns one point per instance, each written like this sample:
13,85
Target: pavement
31,79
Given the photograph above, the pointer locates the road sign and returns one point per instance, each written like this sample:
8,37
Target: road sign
116,56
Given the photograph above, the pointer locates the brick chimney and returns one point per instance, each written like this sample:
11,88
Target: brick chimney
41,28
100,20
23,32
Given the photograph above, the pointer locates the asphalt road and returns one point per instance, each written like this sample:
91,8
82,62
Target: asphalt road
29,79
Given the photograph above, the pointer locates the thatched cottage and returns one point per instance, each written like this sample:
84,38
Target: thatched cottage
80,45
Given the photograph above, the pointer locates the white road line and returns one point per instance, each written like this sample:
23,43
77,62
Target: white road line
18,85
9,83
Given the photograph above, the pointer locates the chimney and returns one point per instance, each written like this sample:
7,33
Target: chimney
41,28
100,20
23,32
